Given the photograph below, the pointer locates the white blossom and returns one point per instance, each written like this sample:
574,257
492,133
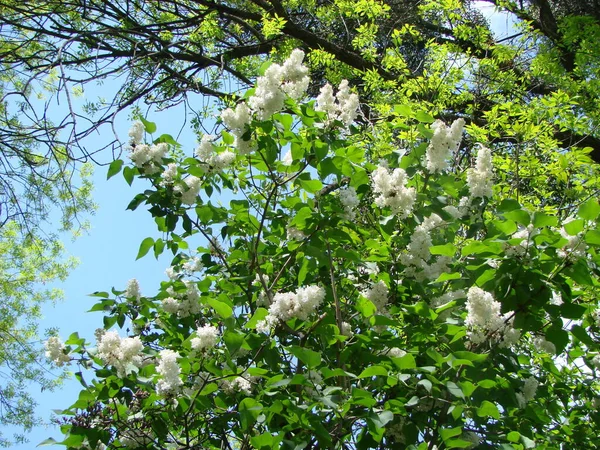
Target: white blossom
237,120
55,351
349,201
190,191
120,353
206,338
294,234
193,265
575,247
443,144
485,320
378,295
136,132
343,106
287,305
392,190
133,290
169,174
528,391
479,178
238,384
169,370
543,346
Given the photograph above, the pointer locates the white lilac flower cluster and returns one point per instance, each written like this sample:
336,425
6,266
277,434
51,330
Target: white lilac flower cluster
288,305
528,391
55,351
543,346
132,290
238,384
417,255
575,247
147,158
206,338
213,161
119,353
290,79
526,235
294,234
343,106
169,370
485,320
392,191
135,438
378,294
480,177
169,175
183,304
349,201
189,190
444,142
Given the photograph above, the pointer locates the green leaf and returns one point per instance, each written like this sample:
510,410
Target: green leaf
488,409
310,186
128,174
447,433
373,371
46,442
543,220
145,247
405,362
444,250
454,389
307,356
249,410
222,308
114,168
592,237
574,227
149,126
258,315
519,216
589,210
513,436
422,116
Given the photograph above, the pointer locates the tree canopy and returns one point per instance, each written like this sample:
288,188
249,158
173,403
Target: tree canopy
349,271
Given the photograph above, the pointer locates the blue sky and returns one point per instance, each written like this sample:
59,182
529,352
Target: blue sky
107,252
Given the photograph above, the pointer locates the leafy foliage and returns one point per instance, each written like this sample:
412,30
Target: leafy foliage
382,344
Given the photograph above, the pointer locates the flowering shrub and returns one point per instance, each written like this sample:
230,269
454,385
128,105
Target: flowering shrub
337,301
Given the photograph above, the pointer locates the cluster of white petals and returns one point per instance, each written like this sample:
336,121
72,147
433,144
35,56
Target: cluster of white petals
444,299
288,305
444,142
136,132
169,370
575,248
294,234
480,177
133,290
279,81
134,438
543,346
392,191
192,265
343,106
168,175
213,161
417,255
528,391
55,351
119,353
238,384
183,304
148,158
206,338
349,201
525,234
485,320
189,190
378,295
